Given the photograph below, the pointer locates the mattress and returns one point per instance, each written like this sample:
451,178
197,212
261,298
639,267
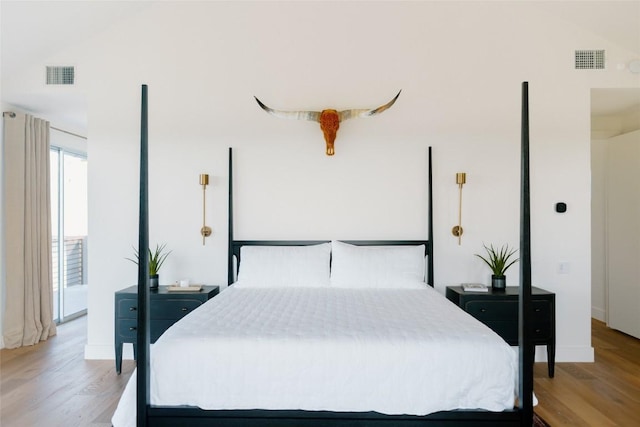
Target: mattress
392,351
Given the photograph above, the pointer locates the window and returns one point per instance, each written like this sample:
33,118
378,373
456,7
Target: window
69,233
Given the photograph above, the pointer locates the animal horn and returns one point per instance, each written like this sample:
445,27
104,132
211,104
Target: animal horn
297,115
348,114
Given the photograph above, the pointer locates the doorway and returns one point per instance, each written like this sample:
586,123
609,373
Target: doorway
615,123
69,231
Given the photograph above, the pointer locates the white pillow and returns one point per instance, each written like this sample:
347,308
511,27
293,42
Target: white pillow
284,266
377,266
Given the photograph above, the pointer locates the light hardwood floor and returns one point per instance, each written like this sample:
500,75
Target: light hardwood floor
604,393
51,384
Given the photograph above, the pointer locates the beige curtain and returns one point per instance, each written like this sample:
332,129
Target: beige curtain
28,316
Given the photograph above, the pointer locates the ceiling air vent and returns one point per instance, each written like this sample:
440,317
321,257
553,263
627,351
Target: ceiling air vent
589,59
60,75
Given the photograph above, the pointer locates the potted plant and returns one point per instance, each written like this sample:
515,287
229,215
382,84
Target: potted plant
498,260
156,259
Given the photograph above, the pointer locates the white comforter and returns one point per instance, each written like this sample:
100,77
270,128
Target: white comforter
407,351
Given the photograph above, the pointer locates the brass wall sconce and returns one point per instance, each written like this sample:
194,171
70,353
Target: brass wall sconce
461,179
204,231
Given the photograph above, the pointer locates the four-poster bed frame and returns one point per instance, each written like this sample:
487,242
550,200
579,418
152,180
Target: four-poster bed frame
148,415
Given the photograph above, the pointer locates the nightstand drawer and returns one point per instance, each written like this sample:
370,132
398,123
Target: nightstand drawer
541,309
508,330
160,309
127,329
541,331
127,308
504,310
173,309
492,310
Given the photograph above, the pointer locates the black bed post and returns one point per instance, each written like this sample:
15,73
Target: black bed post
230,225
143,273
525,304
430,225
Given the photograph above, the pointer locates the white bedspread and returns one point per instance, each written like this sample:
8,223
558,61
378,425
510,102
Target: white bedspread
392,351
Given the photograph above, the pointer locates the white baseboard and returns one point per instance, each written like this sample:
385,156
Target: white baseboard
107,352
568,354
598,314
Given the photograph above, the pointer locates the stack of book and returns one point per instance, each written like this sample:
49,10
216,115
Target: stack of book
179,288
474,287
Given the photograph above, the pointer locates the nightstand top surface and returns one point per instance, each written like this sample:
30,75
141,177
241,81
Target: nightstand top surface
509,290
163,290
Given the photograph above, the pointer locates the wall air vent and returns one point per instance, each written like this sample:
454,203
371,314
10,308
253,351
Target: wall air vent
589,59
60,75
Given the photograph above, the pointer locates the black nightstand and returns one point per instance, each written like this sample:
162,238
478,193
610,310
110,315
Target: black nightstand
166,309
499,311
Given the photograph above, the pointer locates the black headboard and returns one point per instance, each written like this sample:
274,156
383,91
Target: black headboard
235,245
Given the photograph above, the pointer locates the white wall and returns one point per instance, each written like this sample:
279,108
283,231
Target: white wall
598,230
460,66
2,214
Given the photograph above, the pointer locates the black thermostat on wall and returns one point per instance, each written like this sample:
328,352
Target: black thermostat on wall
561,207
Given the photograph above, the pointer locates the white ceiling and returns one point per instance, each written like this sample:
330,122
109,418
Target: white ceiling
64,24
607,102
61,25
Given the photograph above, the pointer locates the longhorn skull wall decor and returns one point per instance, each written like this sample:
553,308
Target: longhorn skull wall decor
329,119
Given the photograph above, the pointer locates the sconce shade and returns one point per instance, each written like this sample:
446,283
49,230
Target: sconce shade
204,179
461,178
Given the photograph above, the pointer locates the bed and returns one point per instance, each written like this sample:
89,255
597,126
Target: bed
294,348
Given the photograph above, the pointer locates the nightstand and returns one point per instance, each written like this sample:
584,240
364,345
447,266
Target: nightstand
499,311
166,309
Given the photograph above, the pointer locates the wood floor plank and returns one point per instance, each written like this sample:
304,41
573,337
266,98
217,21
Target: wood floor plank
606,392
50,384
554,409
574,397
